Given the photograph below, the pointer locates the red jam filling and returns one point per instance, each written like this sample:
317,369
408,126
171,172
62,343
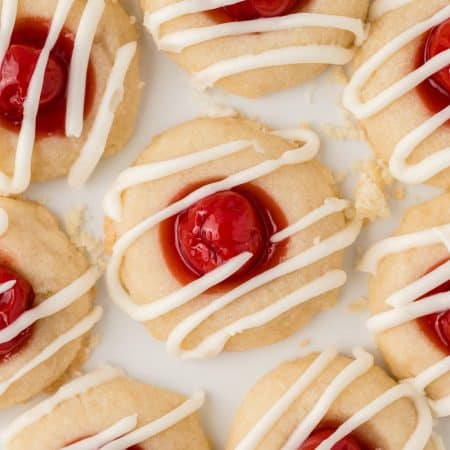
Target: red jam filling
437,326
318,436
13,303
435,91
20,60
219,227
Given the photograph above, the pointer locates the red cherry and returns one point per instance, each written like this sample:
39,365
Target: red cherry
317,437
15,75
217,228
437,42
13,303
254,9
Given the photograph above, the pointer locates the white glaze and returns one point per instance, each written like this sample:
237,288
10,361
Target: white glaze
79,329
4,287
379,8
404,306
7,20
76,89
177,41
398,164
4,221
72,389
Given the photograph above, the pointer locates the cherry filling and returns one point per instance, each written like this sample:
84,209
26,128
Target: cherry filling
437,326
318,436
20,60
13,302
219,227
435,91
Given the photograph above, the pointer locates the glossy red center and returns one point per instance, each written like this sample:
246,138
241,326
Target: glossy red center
13,302
437,326
317,437
435,92
17,69
219,227
255,9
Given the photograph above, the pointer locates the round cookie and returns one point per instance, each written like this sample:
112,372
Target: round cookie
409,349
54,153
256,82
389,429
148,268
100,400
34,250
390,128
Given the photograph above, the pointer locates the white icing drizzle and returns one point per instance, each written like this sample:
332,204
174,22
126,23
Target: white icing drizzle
95,144
79,329
177,41
4,221
381,7
51,305
118,436
76,90
70,390
362,363
97,138
156,308
404,306
400,168
4,287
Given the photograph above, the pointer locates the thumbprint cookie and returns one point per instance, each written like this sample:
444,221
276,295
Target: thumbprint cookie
106,410
226,235
330,402
400,89
255,47
410,300
69,88
46,293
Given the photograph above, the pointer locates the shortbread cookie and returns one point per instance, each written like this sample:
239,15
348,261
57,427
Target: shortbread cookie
409,299
325,401
255,47
107,410
400,89
45,301
225,234
60,118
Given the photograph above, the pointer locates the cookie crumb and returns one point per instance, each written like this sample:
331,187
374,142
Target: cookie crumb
337,75
399,192
316,240
340,176
305,343
359,305
350,130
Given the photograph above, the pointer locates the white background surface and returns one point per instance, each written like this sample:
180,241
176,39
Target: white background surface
166,101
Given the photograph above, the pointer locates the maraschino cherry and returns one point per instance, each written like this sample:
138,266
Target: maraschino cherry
255,9
217,228
437,326
13,302
317,437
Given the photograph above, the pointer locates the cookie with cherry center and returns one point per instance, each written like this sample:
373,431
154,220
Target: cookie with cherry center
56,115
255,47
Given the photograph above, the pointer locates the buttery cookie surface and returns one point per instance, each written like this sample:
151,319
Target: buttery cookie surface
408,294
45,301
400,89
253,47
62,98
107,410
324,401
225,234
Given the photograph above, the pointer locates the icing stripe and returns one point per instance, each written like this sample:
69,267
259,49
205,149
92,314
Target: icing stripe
72,389
177,41
7,20
25,143
79,329
115,431
57,302
381,7
95,144
4,221
76,89
4,287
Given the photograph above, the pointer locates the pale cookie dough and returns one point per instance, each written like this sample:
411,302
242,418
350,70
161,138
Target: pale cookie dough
35,247
296,189
388,430
394,122
54,155
258,82
406,349
100,407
